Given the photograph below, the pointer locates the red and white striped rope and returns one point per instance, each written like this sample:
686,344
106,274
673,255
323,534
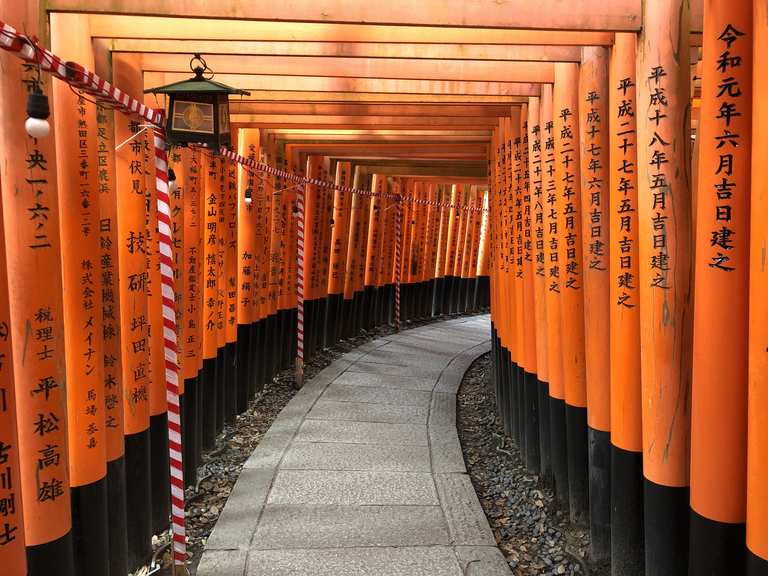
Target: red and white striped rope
75,75
106,94
165,231
398,260
303,180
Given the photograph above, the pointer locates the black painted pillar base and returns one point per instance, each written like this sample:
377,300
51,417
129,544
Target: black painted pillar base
356,321
345,318
221,400
230,382
578,464
666,529
437,297
512,406
160,473
544,433
116,510
90,528
275,346
532,442
243,366
333,319
256,361
138,498
208,407
504,381
599,494
627,532
559,448
282,328
717,548
756,566
54,557
521,409
189,431
319,328
369,305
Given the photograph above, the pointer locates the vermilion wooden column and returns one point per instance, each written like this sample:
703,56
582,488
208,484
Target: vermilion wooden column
192,265
133,247
12,553
720,350
757,464
519,171
664,226
530,381
83,324
110,295
568,183
627,534
539,269
593,128
210,294
342,202
372,250
553,271
230,288
247,309
441,251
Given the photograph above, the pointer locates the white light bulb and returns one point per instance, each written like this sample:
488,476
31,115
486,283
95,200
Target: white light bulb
248,200
172,186
37,128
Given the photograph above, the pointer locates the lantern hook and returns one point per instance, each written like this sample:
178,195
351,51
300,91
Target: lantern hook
199,66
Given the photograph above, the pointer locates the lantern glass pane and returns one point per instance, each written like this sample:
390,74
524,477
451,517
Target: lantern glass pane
192,117
224,117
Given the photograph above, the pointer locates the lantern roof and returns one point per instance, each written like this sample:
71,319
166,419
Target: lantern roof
198,83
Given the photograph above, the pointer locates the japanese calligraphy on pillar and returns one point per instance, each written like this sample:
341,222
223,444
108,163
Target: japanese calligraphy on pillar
624,182
553,271
211,273
569,200
594,180
231,252
525,242
31,219
82,290
193,184
730,106
110,300
537,199
658,177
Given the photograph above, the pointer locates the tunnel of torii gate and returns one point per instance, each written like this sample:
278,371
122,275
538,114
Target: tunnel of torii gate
592,171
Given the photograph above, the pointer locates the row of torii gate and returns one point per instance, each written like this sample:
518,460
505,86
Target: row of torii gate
626,234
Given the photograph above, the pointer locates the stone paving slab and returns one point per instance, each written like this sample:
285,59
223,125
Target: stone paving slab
325,456
353,488
368,412
416,561
377,395
395,369
362,473
362,433
330,526
388,380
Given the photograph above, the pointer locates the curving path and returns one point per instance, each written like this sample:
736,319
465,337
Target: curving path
362,473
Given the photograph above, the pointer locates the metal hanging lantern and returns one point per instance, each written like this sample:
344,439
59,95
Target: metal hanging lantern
198,108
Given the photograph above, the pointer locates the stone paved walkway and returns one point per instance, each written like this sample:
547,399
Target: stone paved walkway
362,473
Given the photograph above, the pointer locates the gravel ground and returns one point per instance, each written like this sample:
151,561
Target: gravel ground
531,531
